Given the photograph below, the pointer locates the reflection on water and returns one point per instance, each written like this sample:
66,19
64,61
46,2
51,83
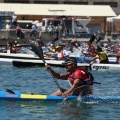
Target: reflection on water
76,111
36,110
28,110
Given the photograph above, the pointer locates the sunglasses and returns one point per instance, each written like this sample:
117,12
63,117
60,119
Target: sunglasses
69,64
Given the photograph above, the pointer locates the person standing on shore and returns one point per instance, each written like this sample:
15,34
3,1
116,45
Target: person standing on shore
7,26
34,31
14,21
51,29
18,31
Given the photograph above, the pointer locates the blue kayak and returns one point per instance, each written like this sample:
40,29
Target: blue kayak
101,99
17,96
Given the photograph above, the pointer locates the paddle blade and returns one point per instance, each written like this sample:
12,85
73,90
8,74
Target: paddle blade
38,50
10,91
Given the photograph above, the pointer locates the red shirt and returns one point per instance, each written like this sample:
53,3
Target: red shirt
83,74
78,74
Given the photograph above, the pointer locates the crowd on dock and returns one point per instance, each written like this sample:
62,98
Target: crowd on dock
92,48
58,50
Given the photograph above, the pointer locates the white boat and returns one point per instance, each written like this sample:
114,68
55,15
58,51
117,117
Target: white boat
6,59
27,63
28,58
105,67
101,67
25,54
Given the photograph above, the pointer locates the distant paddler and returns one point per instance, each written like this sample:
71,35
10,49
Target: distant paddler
101,56
118,57
90,52
11,48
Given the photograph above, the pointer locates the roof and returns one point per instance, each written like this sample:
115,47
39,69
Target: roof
114,19
59,9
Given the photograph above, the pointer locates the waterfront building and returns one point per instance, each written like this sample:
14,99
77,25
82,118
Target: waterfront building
115,4
101,20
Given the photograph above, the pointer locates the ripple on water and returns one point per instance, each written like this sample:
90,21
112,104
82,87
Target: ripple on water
38,80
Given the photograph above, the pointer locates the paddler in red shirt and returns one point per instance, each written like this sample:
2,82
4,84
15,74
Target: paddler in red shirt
80,79
118,57
91,52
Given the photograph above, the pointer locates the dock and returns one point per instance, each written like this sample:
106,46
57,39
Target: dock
11,36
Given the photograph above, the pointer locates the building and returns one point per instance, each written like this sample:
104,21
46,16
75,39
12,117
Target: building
115,4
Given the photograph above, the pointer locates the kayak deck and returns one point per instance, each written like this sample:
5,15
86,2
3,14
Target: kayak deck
17,96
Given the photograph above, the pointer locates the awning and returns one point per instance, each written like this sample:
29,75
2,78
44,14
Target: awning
59,9
113,19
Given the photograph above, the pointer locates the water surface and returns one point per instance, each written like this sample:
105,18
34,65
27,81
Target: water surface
38,80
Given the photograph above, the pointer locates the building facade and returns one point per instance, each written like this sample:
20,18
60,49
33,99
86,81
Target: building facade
115,4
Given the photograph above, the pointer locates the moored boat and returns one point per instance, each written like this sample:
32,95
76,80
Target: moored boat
30,58
26,57
24,54
28,63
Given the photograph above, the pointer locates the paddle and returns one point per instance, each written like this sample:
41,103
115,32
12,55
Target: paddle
38,50
90,65
10,91
89,48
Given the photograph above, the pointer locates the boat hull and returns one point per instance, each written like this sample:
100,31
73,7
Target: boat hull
7,59
30,97
17,96
105,67
32,60
28,63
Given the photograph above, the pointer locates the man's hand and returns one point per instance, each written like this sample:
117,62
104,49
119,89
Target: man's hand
47,66
65,94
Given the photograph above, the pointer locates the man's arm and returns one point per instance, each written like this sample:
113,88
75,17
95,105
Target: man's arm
93,58
57,75
75,85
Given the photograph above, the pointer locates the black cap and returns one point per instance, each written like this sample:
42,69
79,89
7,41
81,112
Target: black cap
99,48
70,60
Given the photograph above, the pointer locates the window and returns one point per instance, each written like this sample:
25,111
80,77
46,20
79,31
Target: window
53,22
77,3
45,2
78,24
16,1
112,4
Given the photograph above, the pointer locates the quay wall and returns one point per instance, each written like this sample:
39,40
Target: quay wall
11,35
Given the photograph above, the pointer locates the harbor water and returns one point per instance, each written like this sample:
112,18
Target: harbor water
37,80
